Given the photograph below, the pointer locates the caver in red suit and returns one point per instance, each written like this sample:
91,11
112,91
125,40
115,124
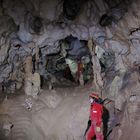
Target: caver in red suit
96,112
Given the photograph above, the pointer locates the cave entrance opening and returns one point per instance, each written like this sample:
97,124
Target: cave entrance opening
71,64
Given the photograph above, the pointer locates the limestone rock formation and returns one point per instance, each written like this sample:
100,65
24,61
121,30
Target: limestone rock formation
111,30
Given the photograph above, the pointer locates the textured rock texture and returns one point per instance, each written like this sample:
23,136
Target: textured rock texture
31,27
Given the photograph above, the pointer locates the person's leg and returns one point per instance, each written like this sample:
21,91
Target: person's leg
99,135
90,133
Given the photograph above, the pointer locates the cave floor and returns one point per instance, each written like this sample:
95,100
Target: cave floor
50,114
58,114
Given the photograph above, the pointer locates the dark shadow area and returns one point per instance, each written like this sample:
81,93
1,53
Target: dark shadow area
71,64
105,122
72,8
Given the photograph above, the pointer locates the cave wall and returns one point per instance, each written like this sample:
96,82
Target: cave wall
18,21
18,30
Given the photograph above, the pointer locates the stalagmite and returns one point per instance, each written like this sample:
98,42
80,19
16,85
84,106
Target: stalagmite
81,79
32,80
35,84
28,76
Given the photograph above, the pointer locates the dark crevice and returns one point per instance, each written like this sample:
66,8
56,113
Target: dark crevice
134,30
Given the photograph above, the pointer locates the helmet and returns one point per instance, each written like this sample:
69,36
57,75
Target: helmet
94,95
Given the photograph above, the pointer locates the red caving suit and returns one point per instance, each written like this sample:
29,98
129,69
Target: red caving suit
96,112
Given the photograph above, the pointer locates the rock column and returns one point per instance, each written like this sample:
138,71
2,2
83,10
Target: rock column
98,81
28,76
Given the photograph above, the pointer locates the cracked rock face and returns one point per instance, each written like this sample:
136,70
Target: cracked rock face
113,26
